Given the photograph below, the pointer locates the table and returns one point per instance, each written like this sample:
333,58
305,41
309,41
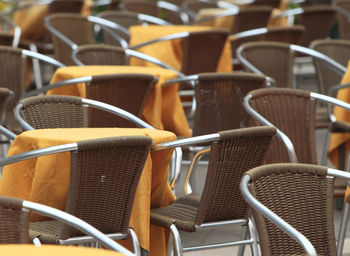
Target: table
46,179
53,250
31,19
163,109
170,51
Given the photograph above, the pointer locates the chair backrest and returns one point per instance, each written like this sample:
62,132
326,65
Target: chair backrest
272,3
343,20
280,68
236,152
98,54
290,34
196,5
141,6
338,50
76,27
12,76
202,51
219,98
126,91
14,222
74,6
250,18
318,21
300,194
102,164
293,112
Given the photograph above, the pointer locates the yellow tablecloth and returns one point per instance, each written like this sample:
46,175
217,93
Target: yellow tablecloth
163,109
31,19
53,250
46,179
170,51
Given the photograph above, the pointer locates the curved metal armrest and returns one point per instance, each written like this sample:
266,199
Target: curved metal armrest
151,19
161,39
43,58
85,79
334,89
59,35
296,235
337,67
246,63
151,59
180,11
248,33
342,11
230,12
288,13
193,166
77,223
185,79
7,133
287,142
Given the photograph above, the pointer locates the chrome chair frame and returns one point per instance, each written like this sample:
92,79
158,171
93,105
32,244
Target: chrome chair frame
69,147
16,29
282,136
178,10
338,68
297,236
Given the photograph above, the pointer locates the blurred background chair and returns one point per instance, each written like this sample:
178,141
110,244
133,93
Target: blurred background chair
221,202
342,8
126,91
304,200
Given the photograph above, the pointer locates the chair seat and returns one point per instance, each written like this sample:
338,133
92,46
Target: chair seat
48,231
182,213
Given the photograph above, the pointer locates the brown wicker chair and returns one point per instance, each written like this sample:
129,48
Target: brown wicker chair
219,98
141,6
301,195
293,112
100,164
15,223
232,153
342,8
126,91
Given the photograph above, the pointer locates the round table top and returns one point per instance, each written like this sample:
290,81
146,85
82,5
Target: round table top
54,250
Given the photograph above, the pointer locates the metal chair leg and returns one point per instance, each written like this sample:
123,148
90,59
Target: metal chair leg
244,235
135,242
177,240
253,237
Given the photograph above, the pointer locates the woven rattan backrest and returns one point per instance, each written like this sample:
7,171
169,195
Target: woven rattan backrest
142,6
123,18
279,68
272,3
75,27
14,222
98,54
12,76
236,152
338,50
104,176
74,6
250,18
126,91
219,98
291,35
6,38
202,51
343,21
293,112
318,21
54,111
300,194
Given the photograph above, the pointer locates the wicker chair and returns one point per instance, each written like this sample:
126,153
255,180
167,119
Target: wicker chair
15,223
68,30
13,74
110,202
126,91
292,111
342,8
201,49
317,20
232,153
298,203
218,98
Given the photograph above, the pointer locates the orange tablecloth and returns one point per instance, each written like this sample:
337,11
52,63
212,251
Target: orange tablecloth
46,179
163,109
53,250
170,51
31,19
